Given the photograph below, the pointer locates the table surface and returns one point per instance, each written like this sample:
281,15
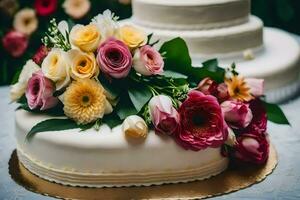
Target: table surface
283,183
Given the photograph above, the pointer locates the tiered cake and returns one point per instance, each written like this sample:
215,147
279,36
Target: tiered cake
224,29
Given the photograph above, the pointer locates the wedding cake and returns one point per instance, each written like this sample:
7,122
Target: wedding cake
226,30
100,106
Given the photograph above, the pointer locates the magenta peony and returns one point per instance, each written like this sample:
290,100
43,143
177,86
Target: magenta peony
15,43
39,92
202,122
114,58
148,61
256,86
258,124
41,53
237,114
252,148
45,7
164,116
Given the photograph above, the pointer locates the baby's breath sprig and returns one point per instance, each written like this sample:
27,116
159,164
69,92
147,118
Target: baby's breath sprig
54,38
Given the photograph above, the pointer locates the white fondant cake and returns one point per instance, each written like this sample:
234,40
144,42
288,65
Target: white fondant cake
225,29
107,158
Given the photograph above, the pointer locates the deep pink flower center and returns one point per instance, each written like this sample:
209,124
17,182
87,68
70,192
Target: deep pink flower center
114,56
36,87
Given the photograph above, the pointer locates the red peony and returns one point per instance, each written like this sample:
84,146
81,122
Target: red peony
41,53
259,121
202,122
252,148
15,43
45,7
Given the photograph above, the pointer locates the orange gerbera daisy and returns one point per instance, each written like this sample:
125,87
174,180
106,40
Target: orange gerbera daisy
238,88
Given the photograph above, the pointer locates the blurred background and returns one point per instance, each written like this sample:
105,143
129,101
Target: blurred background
24,22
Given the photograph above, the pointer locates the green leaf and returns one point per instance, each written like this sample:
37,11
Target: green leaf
125,107
139,96
172,74
275,114
177,59
112,120
51,125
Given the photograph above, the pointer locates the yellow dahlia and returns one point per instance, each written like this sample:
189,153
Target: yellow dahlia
238,88
85,101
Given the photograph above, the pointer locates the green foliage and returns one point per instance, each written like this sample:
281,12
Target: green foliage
275,114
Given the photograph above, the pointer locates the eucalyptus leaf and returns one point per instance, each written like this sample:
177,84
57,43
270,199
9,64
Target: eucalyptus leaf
275,114
51,125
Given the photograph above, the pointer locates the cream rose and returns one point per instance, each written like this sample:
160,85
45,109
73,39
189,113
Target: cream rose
18,89
83,65
56,68
132,36
25,21
86,38
135,126
76,8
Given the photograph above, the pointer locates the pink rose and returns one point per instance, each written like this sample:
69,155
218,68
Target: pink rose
39,92
114,58
209,87
15,43
202,122
237,114
258,125
252,148
256,86
164,116
41,53
148,61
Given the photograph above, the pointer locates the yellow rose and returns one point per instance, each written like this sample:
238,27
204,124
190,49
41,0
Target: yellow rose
132,36
86,38
56,68
83,65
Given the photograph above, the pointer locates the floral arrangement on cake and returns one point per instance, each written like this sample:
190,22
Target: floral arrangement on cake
21,22
109,73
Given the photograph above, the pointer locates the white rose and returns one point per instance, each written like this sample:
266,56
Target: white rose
107,24
18,89
55,67
231,140
135,126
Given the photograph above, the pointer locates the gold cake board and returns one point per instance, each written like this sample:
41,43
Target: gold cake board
229,181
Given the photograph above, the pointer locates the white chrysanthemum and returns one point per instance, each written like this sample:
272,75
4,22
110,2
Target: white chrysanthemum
25,21
107,24
77,8
18,89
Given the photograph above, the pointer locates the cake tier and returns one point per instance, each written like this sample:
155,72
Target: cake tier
190,14
208,43
107,158
278,63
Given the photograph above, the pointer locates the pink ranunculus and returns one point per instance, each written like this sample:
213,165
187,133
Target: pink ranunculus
222,92
148,61
252,148
256,86
207,86
237,114
39,92
258,125
15,43
41,53
202,122
114,58
164,116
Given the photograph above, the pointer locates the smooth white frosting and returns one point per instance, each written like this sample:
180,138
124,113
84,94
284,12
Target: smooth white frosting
108,158
191,14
